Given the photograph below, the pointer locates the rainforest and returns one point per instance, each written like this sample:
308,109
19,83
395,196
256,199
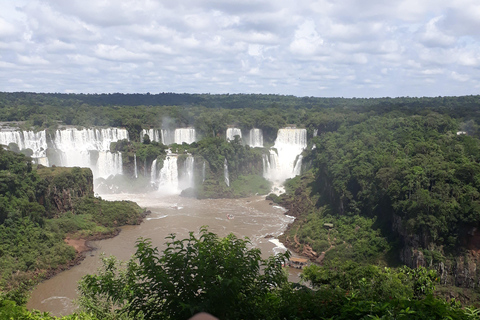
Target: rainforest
385,193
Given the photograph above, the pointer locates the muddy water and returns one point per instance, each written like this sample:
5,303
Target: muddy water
252,217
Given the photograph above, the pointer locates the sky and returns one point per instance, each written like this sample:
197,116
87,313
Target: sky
325,48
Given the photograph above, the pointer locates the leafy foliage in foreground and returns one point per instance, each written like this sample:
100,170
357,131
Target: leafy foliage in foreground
204,273
225,278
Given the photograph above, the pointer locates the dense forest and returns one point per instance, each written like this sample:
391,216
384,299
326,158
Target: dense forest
387,185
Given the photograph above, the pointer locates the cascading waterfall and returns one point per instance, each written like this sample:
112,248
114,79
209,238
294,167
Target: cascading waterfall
90,148
203,172
286,161
232,132
188,176
153,172
225,173
256,138
187,135
73,148
315,132
297,169
167,137
35,141
135,164
153,134
168,177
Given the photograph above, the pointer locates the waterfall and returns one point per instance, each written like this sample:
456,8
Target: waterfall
135,165
145,167
203,172
232,132
297,169
35,141
90,148
315,132
168,177
256,138
153,134
167,137
186,135
225,173
153,172
71,147
188,176
286,161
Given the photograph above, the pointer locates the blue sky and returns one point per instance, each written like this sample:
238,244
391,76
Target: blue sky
343,48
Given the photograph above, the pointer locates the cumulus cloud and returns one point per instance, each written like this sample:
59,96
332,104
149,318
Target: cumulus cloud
313,47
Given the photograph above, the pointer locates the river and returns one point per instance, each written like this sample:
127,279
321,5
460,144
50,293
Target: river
253,217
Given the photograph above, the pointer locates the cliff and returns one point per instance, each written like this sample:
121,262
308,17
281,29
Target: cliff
59,187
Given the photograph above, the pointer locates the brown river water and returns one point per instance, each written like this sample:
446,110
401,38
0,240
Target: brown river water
252,217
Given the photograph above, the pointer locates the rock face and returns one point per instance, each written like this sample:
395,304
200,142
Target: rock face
60,187
459,270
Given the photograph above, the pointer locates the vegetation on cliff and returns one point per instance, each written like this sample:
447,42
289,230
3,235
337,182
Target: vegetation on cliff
38,209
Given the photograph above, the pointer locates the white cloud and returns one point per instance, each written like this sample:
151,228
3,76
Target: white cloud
334,48
431,36
306,40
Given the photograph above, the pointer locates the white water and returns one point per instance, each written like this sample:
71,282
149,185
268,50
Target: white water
135,164
35,141
187,180
225,173
168,137
187,135
256,138
203,171
153,134
286,161
89,148
232,132
168,177
153,172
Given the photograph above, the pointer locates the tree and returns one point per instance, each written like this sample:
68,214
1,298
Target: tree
205,273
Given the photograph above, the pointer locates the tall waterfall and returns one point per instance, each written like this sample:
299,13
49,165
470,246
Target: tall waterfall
35,141
256,138
135,164
225,173
203,172
90,148
232,132
286,161
187,135
153,134
168,177
187,180
168,137
153,172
